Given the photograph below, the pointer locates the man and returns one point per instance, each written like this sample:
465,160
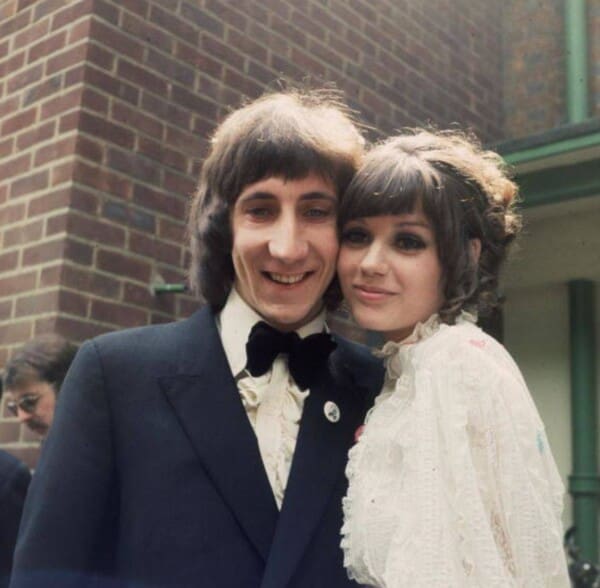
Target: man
14,480
180,457
33,377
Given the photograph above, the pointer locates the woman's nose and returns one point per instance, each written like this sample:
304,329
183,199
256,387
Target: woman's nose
374,262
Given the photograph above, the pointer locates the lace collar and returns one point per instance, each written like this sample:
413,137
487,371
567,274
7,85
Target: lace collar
395,353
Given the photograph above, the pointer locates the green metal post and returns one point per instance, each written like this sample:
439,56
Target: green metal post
584,483
576,48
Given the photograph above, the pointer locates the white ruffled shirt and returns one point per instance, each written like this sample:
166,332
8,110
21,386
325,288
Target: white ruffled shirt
273,401
452,483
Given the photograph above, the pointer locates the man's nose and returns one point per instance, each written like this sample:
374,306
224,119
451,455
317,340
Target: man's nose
22,415
375,261
287,241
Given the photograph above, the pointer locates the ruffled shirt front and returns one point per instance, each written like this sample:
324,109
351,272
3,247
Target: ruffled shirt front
273,401
452,483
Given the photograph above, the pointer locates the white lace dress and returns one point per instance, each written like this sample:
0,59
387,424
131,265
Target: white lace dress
452,483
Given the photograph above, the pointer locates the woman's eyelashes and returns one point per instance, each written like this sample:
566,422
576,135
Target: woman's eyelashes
360,237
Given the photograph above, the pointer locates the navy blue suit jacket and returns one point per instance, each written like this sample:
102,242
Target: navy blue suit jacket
151,475
14,480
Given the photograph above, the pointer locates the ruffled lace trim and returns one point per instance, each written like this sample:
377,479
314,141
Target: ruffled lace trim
274,406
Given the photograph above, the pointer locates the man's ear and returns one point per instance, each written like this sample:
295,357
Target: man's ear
475,249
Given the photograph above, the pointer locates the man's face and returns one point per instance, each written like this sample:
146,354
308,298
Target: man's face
285,247
33,404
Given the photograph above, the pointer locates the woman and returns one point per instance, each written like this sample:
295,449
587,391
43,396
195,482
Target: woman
451,482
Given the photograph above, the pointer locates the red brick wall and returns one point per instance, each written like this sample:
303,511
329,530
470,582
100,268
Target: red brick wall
105,107
534,66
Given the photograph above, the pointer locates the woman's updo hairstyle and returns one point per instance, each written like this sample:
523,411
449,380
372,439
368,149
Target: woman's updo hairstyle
464,192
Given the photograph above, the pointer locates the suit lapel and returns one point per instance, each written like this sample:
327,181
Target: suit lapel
206,401
319,461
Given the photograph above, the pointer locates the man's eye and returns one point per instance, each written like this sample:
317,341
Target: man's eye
355,237
259,212
318,212
409,242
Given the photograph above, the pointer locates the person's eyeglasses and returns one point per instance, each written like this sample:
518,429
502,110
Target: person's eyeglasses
27,403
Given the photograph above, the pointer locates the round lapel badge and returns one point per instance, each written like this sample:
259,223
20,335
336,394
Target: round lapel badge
332,411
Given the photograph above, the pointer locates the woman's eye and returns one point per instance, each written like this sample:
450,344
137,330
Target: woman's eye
259,212
355,237
409,242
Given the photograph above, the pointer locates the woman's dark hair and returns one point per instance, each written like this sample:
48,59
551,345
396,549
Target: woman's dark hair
465,194
46,358
285,134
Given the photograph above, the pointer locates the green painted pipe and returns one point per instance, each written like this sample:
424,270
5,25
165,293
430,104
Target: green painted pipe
576,48
584,483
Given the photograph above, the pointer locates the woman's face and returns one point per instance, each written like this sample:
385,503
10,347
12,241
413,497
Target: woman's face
390,272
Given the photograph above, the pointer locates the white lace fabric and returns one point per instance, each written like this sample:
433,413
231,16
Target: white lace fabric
452,483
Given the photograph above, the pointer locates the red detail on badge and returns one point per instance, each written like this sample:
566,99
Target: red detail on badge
478,343
358,433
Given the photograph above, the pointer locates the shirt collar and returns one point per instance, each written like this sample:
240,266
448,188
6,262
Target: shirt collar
235,322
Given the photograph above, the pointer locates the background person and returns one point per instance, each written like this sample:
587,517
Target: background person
452,482
211,452
14,480
33,377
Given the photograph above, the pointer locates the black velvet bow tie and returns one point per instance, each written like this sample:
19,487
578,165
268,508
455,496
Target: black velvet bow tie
306,356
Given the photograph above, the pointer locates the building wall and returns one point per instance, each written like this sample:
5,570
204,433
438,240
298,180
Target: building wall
105,109
559,244
533,66
594,36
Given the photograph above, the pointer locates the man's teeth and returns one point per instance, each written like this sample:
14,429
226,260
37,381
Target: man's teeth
286,278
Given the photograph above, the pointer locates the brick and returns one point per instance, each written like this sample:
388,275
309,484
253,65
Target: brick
129,215
11,214
142,29
226,12
173,24
199,59
107,11
56,150
141,77
100,56
7,147
79,31
66,59
102,179
71,13
56,224
51,276
6,311
202,19
24,78
26,233
12,64
141,296
69,122
77,330
244,44
8,261
155,249
18,122
36,304
111,85
73,303
15,167
111,132
60,104
172,231
118,314
15,332
46,46
122,265
139,121
16,284
83,200
62,173
30,34
170,68
139,7
158,201
42,90
166,111
162,154
111,37
222,51
92,100
43,252
95,230
89,149
29,184
178,184
14,24
85,280
187,306
9,106
134,165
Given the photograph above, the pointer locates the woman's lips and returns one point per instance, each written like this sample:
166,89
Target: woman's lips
371,294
